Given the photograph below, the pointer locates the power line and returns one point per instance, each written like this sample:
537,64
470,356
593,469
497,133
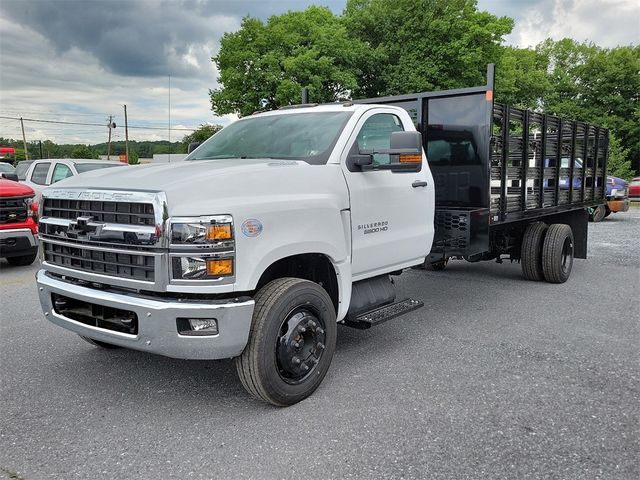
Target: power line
92,124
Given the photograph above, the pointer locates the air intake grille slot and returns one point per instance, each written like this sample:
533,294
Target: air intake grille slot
126,213
116,264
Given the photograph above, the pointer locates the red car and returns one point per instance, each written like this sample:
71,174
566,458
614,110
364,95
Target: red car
18,223
634,188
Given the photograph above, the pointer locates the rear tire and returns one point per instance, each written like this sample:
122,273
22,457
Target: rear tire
531,251
557,253
98,343
291,342
22,259
598,213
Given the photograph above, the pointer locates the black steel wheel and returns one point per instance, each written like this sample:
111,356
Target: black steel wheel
22,259
291,342
531,251
557,253
598,213
98,343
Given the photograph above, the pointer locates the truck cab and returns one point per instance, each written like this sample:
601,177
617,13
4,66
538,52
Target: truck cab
280,225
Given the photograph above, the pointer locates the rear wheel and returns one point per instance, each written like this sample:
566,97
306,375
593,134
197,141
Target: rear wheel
597,214
98,343
531,251
291,342
557,253
22,259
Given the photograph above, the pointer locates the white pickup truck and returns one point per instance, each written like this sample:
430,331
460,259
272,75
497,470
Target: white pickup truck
287,222
274,229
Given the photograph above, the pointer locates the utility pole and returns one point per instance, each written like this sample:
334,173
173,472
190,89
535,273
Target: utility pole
169,118
24,140
40,141
126,134
109,143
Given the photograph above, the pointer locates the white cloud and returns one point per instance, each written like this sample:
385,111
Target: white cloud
608,23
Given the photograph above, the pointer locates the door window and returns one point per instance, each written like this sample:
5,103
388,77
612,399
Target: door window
375,134
60,172
40,171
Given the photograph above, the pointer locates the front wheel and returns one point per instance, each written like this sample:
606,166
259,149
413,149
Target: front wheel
597,214
291,342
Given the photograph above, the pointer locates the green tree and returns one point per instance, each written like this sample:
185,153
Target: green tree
521,78
200,135
619,163
597,85
133,158
274,60
425,45
82,151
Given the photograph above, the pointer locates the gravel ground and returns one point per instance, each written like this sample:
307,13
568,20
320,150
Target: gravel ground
495,378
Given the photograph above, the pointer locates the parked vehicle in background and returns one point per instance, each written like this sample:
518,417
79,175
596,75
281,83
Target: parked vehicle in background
617,199
39,174
8,171
18,223
634,189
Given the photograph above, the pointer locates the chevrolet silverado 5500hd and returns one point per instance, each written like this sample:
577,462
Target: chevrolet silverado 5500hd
287,222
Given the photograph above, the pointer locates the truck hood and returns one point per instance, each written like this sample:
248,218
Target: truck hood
9,188
204,187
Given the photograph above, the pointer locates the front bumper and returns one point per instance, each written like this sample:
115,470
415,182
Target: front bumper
15,242
618,205
157,330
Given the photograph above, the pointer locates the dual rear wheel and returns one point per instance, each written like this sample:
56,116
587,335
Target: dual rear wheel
547,252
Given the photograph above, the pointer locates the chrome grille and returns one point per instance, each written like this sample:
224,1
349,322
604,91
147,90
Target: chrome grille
105,262
105,236
13,209
125,213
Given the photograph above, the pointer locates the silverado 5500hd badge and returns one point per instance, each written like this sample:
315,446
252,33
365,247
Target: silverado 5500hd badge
374,227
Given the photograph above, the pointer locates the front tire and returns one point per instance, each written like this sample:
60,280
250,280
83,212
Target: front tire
557,253
598,213
291,342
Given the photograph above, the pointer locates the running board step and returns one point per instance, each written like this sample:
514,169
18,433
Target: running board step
382,314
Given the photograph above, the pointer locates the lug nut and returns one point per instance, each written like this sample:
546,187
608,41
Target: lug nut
296,361
302,330
320,346
305,367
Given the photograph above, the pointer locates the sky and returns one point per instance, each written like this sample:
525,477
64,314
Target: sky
80,61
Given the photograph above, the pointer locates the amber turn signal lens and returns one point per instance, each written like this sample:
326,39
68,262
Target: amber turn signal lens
220,231
410,158
219,268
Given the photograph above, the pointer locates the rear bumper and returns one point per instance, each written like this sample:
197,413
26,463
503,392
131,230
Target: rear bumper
157,329
618,205
17,242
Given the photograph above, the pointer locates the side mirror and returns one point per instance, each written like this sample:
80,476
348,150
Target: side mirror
192,146
9,176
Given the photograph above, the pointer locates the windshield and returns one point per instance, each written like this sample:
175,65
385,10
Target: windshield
87,167
296,136
7,168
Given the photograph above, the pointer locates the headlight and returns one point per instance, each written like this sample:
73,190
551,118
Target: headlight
201,230
202,248
201,268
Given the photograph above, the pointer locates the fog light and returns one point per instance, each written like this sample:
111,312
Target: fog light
197,326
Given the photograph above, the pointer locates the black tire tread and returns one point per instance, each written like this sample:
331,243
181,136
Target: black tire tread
531,252
247,361
552,252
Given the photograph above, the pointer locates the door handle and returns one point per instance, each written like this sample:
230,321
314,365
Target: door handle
419,183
